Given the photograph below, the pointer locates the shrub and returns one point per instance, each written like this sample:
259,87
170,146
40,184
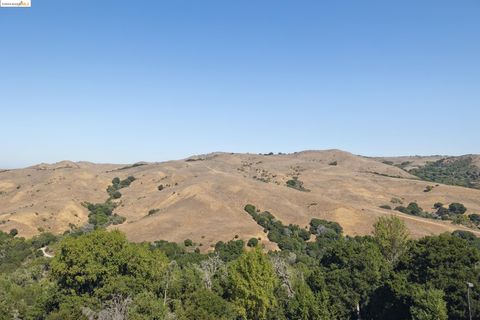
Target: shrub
457,208
230,250
460,219
437,205
188,242
296,184
116,195
101,214
116,219
118,184
253,242
324,228
386,206
412,209
290,237
442,211
13,232
333,163
153,211
160,187
428,189
396,201
250,209
475,218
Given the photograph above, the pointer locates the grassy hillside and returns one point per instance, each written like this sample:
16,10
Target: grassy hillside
202,198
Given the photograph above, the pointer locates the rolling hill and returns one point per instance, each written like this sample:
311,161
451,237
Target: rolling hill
202,197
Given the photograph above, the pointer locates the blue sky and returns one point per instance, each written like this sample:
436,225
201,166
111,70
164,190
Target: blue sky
117,81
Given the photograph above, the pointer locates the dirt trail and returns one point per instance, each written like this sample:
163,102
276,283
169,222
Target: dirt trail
45,253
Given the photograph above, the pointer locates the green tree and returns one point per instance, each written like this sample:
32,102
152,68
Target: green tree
146,306
391,234
457,208
428,304
305,305
446,263
437,205
252,282
13,232
203,304
230,250
116,195
253,242
104,263
354,268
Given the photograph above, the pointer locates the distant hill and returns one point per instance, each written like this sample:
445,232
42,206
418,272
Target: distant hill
460,171
202,197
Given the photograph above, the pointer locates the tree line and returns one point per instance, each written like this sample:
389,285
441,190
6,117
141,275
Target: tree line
317,273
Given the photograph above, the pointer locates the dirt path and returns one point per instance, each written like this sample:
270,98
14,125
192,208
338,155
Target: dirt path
45,253
425,220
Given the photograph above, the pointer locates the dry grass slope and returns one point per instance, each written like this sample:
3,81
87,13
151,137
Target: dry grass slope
203,197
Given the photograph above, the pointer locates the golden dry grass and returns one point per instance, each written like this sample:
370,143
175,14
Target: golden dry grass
203,200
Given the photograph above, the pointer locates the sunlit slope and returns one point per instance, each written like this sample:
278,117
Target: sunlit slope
202,198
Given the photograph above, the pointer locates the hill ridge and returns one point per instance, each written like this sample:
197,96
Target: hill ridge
202,196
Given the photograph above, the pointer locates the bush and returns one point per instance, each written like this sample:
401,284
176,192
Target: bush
230,250
253,242
457,208
443,212
428,189
412,209
333,163
153,211
324,228
118,184
188,242
475,218
296,184
437,205
116,195
250,209
116,219
101,214
290,237
160,187
386,206
396,201
460,219
13,232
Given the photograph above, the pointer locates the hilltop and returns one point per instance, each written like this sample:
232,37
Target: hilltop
203,197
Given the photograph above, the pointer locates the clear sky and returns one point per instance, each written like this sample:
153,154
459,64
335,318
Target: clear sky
125,81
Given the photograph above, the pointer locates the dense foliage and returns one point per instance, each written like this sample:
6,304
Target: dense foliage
101,275
460,172
454,212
